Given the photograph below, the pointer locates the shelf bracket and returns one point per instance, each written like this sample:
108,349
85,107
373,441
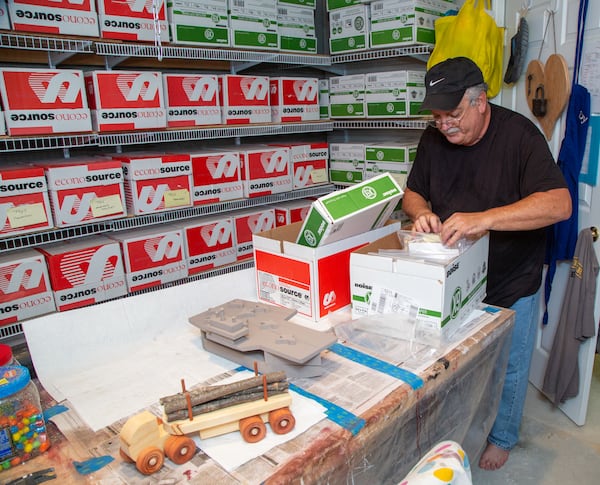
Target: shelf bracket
56,58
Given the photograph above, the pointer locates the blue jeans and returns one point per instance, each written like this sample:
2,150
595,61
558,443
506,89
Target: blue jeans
505,431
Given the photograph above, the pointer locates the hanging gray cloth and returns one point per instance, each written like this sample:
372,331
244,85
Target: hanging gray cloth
576,322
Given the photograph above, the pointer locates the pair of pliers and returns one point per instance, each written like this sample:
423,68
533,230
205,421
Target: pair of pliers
35,477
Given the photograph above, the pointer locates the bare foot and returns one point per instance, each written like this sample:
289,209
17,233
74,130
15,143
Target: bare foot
493,457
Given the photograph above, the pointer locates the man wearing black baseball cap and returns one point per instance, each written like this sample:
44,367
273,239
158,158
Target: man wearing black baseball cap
484,168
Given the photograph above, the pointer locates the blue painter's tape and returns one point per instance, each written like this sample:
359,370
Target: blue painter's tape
337,414
379,365
491,309
54,410
92,465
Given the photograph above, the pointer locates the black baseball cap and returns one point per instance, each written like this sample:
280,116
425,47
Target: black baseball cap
446,83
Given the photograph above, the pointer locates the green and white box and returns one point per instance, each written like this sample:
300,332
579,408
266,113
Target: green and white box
347,96
394,94
437,296
298,3
401,22
350,211
349,29
396,158
253,24
346,163
335,4
198,22
296,29
324,99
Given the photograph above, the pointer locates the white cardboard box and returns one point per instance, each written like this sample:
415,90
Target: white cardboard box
216,176
296,29
4,17
85,190
63,17
290,211
294,99
396,158
198,22
350,211
442,293
209,243
347,96
253,24
25,290
244,99
152,256
266,170
132,20
44,101
24,202
85,271
349,29
156,182
126,100
191,99
402,22
346,163
394,94
309,163
324,99
313,281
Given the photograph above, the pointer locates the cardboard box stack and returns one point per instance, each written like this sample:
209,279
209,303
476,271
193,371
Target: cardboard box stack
244,99
198,22
396,158
253,24
85,271
152,256
64,17
296,27
209,243
44,101
309,163
266,170
394,94
133,21
156,182
294,99
216,175
24,203
126,100
85,190
346,163
347,96
191,99
25,290
348,27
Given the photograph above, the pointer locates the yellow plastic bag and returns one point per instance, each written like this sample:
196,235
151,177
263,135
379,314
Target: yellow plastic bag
471,33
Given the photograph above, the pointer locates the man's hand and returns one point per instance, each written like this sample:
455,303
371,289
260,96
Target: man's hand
463,224
427,222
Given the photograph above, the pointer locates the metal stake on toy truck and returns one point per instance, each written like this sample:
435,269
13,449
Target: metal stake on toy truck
210,411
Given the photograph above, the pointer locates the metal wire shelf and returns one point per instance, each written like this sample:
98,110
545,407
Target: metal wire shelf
409,50
405,123
38,43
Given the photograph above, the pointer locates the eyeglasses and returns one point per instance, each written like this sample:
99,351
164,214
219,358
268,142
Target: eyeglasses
448,120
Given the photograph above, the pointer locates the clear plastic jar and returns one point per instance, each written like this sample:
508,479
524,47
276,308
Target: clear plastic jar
22,427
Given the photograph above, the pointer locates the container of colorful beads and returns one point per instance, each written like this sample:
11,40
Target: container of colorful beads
22,427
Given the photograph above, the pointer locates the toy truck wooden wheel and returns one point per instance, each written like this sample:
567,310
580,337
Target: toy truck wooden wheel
252,429
282,420
150,460
180,449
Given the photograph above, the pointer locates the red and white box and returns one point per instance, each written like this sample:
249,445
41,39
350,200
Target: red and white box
85,271
156,182
126,100
266,170
44,101
192,100
85,190
291,211
2,123
294,99
310,163
249,222
209,243
4,18
25,290
133,20
244,99
152,256
313,281
65,17
24,202
217,176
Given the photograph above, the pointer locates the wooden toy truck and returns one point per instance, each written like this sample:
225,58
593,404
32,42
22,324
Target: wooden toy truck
145,439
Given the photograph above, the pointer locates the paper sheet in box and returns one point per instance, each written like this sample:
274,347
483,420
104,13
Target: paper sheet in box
350,211
314,281
443,292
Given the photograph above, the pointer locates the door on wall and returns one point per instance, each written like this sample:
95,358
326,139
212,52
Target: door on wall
566,14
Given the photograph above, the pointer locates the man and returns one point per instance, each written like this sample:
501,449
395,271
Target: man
479,168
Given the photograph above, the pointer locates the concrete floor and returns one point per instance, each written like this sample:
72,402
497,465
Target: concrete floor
552,450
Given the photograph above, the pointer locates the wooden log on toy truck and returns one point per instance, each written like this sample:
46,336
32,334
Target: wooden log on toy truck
145,439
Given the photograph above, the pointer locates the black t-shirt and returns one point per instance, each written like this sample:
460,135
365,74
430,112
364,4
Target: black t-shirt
510,162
